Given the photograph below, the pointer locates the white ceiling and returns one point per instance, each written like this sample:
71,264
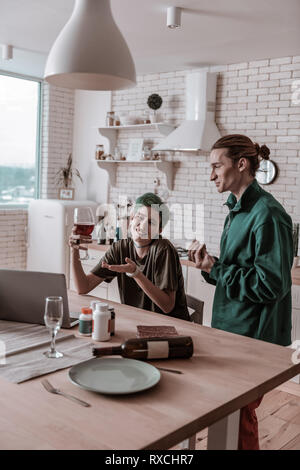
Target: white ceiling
213,32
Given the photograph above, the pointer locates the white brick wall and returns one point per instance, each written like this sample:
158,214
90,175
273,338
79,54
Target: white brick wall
57,135
12,239
253,99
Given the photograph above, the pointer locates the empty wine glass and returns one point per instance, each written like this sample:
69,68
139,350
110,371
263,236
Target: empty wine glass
53,319
84,223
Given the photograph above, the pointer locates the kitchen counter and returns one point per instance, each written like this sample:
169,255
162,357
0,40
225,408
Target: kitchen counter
94,246
186,262
104,248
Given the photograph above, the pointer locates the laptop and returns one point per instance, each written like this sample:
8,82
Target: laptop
23,294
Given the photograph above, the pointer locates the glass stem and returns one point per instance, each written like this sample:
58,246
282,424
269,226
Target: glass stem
85,257
53,335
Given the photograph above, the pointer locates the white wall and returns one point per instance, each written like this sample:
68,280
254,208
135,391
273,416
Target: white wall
25,63
89,112
13,238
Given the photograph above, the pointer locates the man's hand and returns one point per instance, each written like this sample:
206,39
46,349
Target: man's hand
76,240
192,249
198,254
130,267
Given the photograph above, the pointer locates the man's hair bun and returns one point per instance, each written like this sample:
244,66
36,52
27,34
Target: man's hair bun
263,151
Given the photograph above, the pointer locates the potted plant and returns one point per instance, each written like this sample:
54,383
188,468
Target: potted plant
154,102
64,179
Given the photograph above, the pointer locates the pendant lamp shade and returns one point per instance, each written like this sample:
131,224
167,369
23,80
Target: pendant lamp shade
90,52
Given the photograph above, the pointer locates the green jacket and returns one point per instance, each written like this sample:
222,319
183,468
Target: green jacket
253,274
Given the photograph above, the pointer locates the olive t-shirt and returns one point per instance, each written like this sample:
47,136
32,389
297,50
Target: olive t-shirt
161,266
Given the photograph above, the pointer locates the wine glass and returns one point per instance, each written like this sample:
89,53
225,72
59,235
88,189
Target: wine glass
84,223
53,319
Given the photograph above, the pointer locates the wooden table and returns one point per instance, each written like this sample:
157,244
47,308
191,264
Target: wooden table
226,372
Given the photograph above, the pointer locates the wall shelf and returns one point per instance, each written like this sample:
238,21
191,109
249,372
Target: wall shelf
165,167
110,132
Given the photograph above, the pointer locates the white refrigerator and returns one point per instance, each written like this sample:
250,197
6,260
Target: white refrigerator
50,222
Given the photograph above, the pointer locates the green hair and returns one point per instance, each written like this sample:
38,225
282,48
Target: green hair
155,202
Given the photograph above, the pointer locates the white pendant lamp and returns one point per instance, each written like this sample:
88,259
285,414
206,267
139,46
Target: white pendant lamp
90,52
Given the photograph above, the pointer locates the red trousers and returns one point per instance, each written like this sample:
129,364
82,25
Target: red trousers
248,431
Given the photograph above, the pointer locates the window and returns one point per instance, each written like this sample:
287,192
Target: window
19,139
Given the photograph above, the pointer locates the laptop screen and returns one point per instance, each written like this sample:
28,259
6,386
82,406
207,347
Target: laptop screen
23,294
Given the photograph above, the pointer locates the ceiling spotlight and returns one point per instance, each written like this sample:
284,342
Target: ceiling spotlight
173,17
7,52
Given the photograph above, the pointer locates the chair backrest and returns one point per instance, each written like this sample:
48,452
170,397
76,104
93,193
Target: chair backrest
197,305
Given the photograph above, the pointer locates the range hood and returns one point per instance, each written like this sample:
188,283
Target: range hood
199,130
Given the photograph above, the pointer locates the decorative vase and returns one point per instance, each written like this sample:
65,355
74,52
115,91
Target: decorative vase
153,117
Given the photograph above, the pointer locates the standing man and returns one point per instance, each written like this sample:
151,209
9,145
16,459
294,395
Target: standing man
253,274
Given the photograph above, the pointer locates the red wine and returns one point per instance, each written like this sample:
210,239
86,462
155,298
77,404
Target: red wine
83,229
151,348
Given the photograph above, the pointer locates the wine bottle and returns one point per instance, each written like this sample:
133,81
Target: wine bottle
151,348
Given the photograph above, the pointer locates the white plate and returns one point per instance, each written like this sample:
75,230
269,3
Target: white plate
114,376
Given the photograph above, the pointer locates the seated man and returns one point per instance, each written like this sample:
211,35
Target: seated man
147,267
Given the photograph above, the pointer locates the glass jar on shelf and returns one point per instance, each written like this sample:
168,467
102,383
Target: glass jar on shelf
117,153
146,153
99,152
146,118
110,118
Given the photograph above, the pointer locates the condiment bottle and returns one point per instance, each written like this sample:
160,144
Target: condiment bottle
100,232
85,322
99,152
101,322
112,320
151,348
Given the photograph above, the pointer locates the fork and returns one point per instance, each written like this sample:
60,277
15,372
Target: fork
51,389
174,371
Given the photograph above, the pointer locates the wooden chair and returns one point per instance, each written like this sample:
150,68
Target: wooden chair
195,307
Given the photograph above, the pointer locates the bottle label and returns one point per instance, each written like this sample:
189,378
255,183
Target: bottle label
158,349
85,327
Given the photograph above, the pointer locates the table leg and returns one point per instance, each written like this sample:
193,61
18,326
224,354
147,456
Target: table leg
188,444
224,434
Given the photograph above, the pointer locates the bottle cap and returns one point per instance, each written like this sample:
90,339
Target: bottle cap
86,310
100,307
94,303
